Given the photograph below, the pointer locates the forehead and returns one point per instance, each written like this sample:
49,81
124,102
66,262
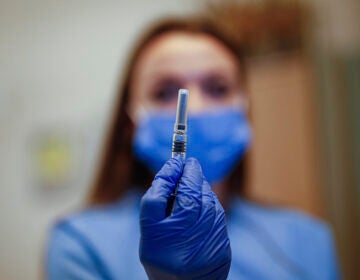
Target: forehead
184,53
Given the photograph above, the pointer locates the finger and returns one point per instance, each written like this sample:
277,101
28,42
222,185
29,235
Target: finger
154,201
189,195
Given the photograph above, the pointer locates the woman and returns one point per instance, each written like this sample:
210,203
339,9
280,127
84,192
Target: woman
101,242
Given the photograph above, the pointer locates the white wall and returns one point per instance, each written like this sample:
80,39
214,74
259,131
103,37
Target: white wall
59,62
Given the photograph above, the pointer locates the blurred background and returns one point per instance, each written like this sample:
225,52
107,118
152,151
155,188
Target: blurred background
59,65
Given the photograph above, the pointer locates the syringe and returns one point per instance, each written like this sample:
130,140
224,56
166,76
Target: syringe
179,138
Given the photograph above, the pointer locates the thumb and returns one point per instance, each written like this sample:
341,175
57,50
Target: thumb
154,201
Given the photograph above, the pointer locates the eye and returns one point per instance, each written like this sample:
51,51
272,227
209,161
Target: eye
216,87
166,91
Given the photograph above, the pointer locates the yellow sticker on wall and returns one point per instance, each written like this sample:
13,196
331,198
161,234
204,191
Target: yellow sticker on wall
54,161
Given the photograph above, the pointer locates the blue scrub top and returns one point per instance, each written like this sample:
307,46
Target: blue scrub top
267,243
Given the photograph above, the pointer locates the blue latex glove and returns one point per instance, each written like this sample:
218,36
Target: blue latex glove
191,243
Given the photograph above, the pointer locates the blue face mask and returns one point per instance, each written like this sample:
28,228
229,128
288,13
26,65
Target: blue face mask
218,139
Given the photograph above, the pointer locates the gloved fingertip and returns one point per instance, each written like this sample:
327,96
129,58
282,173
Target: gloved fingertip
171,170
179,160
175,161
192,161
192,171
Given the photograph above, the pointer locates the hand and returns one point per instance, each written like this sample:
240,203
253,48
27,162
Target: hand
191,243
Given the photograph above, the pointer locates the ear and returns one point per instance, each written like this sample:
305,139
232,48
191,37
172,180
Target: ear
242,101
136,113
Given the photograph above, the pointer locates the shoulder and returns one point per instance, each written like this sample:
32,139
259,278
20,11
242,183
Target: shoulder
283,219
100,219
305,240
81,242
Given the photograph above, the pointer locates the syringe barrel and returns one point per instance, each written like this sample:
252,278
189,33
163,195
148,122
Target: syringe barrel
181,111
